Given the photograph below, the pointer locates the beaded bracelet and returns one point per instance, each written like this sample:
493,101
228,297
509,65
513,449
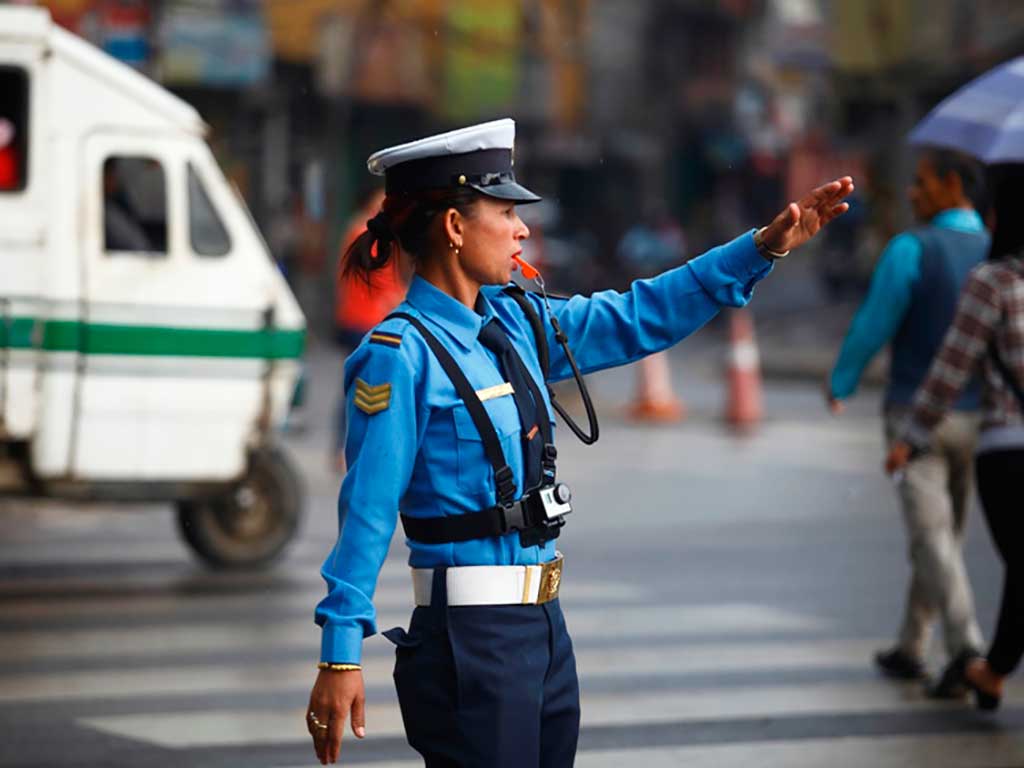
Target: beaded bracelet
338,667
764,250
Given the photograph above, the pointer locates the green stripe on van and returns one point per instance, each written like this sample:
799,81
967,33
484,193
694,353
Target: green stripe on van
109,339
17,332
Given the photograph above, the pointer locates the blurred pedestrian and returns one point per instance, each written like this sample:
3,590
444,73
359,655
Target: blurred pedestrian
648,248
451,422
987,336
362,301
909,305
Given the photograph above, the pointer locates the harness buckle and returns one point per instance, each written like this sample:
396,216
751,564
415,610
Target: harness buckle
514,518
505,484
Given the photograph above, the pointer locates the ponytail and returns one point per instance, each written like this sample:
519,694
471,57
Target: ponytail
405,221
370,251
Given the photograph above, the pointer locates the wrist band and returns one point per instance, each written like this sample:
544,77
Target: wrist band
338,667
764,250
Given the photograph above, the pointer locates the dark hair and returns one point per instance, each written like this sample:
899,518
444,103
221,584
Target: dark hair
1006,182
405,220
947,161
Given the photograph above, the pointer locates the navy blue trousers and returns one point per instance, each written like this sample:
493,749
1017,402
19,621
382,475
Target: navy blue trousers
488,686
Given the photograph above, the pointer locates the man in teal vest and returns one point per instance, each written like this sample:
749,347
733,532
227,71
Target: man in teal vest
910,304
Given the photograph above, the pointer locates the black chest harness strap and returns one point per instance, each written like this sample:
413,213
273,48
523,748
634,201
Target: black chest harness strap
507,515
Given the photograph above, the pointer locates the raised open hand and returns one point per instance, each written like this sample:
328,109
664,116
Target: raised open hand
803,219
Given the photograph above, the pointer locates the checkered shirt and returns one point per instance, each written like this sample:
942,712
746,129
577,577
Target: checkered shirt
991,307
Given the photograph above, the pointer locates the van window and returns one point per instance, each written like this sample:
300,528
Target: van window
205,228
134,206
13,129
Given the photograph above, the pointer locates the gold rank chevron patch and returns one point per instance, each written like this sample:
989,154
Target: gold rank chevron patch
372,399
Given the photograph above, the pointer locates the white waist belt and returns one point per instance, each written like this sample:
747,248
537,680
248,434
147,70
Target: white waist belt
493,584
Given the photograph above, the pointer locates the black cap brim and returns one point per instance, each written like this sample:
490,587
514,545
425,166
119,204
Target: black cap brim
509,190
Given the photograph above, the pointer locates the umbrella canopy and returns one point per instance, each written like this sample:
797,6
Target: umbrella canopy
984,118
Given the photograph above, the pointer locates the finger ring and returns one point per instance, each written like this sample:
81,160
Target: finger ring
321,726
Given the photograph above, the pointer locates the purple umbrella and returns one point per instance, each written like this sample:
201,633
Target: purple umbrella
984,118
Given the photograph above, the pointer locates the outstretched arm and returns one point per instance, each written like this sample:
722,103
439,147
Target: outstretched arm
612,328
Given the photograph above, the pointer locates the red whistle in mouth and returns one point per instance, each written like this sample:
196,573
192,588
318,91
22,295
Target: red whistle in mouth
529,272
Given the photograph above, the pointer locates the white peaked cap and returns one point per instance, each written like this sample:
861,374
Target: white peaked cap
479,157
497,134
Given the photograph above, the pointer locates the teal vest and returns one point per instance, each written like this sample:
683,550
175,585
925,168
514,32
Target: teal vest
947,257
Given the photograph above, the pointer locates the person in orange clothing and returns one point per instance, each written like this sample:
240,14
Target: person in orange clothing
361,303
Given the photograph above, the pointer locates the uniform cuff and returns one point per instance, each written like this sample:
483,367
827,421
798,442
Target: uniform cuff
742,259
729,272
747,250
341,645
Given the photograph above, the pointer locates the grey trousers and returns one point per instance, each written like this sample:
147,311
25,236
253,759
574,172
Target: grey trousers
935,492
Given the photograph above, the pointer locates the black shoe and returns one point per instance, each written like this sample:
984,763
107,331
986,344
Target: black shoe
984,700
952,684
897,664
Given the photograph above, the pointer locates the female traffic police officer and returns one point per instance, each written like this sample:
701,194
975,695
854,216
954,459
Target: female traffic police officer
450,422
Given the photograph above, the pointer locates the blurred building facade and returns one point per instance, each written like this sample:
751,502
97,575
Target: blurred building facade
714,110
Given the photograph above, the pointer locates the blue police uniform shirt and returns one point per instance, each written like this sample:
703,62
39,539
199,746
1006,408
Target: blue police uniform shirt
422,454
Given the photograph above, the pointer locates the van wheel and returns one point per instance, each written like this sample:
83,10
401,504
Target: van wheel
251,525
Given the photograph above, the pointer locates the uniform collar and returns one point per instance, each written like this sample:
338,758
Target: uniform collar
965,219
453,316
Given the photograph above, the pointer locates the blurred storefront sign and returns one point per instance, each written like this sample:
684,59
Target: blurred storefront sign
388,64
119,27
125,35
481,58
334,44
374,54
295,25
213,43
798,36
872,35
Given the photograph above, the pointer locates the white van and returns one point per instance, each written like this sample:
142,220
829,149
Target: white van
148,344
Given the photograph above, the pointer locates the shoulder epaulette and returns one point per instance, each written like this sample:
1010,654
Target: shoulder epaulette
385,338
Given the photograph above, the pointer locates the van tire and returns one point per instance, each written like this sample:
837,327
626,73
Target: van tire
250,526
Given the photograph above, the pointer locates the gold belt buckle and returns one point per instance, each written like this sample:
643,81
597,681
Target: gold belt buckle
550,580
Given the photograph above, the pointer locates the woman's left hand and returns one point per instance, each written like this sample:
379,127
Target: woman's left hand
802,220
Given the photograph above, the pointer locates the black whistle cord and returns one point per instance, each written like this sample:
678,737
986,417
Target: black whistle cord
561,338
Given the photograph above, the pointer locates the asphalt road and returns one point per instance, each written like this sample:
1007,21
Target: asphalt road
724,593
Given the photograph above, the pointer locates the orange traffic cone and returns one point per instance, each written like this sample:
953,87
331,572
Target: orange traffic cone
744,408
654,400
